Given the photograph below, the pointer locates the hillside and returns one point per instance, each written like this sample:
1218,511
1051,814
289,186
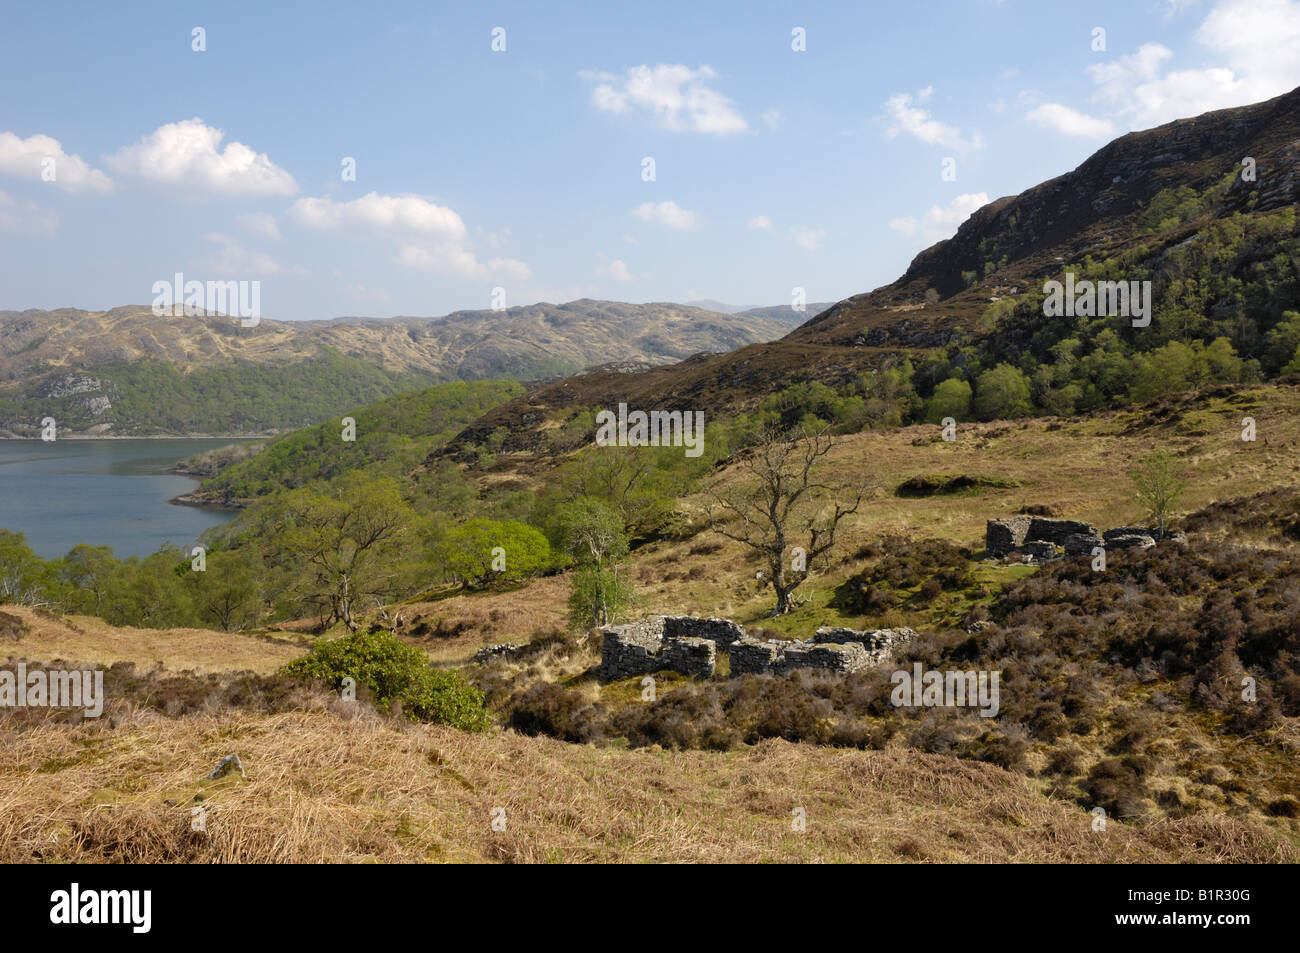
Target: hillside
1166,204
127,371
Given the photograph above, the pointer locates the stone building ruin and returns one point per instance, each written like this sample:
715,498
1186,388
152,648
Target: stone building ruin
1037,537
689,645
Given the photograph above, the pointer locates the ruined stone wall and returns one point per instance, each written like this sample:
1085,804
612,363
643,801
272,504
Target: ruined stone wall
664,643
831,649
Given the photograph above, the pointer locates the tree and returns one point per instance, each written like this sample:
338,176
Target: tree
339,540
778,504
24,577
227,593
1158,486
483,550
592,535
89,570
951,399
1002,392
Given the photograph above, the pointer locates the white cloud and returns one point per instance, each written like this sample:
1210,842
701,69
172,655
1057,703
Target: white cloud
260,223
1256,46
450,258
760,222
940,221
389,214
509,268
26,218
666,213
676,96
432,237
906,115
184,156
233,259
1070,122
771,118
25,159
616,269
808,238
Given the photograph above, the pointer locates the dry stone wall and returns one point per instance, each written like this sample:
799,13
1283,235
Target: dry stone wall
688,645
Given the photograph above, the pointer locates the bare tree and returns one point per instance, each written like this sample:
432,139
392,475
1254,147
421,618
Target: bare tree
779,507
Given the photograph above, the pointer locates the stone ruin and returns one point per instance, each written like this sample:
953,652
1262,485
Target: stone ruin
665,643
1037,537
689,645
830,649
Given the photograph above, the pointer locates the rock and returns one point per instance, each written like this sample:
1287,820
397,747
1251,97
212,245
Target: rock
1001,536
1130,541
229,763
1128,531
488,652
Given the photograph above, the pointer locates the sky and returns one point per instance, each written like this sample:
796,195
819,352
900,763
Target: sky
508,153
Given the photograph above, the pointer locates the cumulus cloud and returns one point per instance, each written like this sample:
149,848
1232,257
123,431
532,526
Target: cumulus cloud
392,214
905,113
449,258
26,218
761,222
940,221
666,213
1070,122
27,159
808,238
432,237
616,269
1254,48
186,156
675,96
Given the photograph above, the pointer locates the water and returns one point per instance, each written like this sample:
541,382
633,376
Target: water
102,492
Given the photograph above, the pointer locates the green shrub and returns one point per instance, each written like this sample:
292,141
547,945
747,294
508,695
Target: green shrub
395,671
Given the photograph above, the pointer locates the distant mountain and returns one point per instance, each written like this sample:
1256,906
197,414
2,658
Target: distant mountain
127,371
781,312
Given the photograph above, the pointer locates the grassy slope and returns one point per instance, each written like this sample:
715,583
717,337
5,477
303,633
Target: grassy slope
326,788
323,787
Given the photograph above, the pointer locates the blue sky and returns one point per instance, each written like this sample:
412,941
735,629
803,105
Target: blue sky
522,169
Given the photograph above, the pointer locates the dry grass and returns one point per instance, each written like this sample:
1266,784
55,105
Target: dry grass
322,787
88,639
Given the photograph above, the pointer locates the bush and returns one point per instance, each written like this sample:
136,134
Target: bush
395,672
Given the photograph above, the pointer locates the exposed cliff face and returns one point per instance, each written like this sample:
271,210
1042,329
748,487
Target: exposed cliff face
1004,248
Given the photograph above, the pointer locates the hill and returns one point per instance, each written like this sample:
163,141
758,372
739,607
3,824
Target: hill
130,372
1169,205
